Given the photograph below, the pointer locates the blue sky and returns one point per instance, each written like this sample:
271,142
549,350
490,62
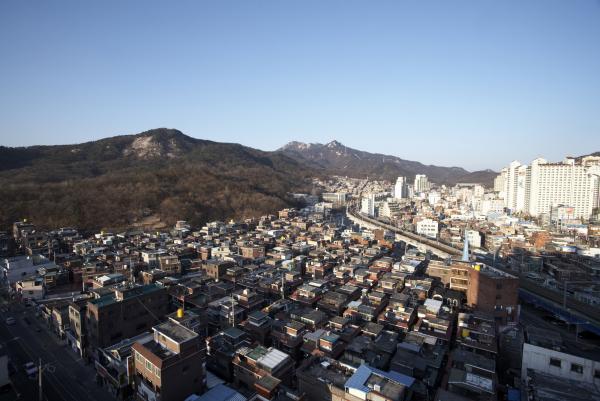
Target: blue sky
467,83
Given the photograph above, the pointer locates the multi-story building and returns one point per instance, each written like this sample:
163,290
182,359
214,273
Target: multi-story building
401,188
77,333
545,352
474,238
170,365
336,198
499,182
494,291
535,189
428,228
125,312
113,366
252,251
170,264
367,205
216,269
421,183
389,209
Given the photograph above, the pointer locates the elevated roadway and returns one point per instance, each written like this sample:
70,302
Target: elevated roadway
420,242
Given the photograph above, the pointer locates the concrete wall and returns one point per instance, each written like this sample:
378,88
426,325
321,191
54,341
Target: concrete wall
538,359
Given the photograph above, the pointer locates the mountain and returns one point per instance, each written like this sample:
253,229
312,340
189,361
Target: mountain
336,158
160,174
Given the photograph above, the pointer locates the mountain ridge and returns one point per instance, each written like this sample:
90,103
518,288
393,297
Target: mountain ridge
117,181
336,158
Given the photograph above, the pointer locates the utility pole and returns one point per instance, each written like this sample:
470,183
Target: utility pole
41,396
233,305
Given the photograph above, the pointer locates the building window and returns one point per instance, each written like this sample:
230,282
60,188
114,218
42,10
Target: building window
148,365
157,372
555,362
576,368
597,374
139,358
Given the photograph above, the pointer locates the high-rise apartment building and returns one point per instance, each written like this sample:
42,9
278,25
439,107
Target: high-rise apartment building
368,205
401,188
421,183
535,189
500,180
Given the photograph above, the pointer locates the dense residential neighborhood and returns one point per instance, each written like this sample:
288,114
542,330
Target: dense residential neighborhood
372,291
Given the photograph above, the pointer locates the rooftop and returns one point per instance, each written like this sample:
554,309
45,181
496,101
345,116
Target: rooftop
390,384
175,331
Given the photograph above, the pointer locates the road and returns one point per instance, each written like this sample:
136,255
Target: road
66,377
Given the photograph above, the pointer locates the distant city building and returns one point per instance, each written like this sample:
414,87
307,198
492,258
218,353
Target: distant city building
491,206
368,205
433,198
560,215
428,228
336,198
421,183
499,181
389,208
535,189
474,238
401,188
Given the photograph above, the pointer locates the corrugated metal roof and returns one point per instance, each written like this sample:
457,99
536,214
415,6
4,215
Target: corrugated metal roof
273,358
359,378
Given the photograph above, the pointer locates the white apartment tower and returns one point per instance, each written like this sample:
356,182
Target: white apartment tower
401,188
421,183
368,205
535,189
499,182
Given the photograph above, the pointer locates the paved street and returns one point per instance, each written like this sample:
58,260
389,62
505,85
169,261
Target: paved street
66,376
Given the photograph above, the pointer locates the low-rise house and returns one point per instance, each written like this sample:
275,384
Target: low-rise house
262,369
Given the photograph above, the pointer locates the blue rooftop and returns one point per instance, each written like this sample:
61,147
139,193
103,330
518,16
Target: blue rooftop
362,374
220,392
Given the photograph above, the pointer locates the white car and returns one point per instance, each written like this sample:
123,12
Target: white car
31,369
